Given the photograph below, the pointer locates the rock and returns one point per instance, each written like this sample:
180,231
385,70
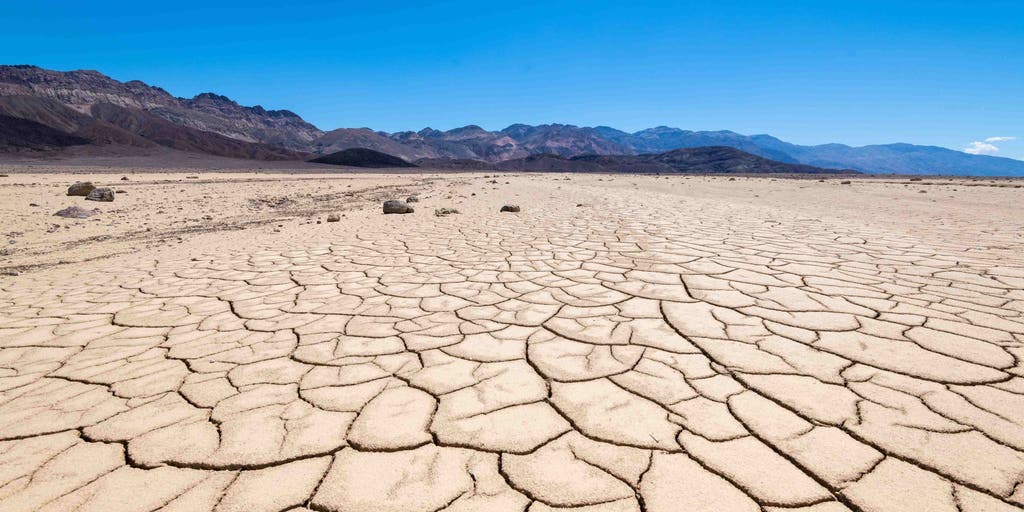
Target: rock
334,217
510,208
76,212
394,206
412,199
847,182
101,194
444,212
81,188
124,178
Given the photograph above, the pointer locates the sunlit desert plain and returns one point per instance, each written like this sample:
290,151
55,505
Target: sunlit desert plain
210,341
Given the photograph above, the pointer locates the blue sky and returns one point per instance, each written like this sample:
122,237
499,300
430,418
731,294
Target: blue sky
859,72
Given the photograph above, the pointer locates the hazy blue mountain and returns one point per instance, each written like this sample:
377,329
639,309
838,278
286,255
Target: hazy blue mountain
883,158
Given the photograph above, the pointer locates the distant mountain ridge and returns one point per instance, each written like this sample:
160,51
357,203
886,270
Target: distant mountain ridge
518,141
80,90
81,105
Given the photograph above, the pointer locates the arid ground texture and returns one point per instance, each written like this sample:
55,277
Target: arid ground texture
623,343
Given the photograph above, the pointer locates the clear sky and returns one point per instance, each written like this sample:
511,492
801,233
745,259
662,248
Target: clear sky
945,73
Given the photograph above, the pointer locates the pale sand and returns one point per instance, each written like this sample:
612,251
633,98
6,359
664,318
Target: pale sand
624,343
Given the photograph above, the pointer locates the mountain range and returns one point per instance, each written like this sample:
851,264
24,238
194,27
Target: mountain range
49,112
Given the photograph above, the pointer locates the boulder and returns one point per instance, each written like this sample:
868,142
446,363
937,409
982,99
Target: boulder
412,199
334,217
512,208
101,194
394,206
81,188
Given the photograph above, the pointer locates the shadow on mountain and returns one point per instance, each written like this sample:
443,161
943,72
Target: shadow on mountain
362,157
704,160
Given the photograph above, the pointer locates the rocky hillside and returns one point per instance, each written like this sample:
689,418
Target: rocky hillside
81,90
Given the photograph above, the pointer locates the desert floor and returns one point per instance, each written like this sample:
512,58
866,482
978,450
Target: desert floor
623,343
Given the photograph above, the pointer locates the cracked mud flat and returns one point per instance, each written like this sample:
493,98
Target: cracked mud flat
670,345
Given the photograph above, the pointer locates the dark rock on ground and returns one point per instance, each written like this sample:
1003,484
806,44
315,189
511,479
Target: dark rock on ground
81,188
393,206
512,208
101,194
76,212
334,217
444,212
412,199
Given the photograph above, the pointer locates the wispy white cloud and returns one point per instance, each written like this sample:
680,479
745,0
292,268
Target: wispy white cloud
987,146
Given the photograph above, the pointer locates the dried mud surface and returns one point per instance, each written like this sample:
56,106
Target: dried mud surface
622,344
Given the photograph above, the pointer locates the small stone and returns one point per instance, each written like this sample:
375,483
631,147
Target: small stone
512,208
101,194
444,212
81,188
412,199
846,182
334,217
393,206
76,212
124,178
